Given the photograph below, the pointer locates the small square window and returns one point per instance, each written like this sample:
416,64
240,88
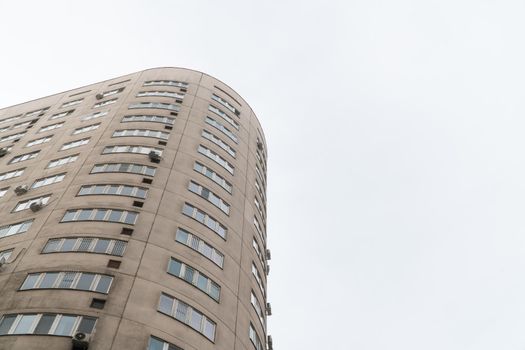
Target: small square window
98,303
114,264
168,127
174,113
126,231
147,181
163,143
178,101
138,204
183,89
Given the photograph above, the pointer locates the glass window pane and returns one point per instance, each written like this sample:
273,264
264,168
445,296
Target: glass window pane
196,319
165,304
141,193
85,281
51,245
209,329
126,191
65,326
100,214
113,189
49,280
202,283
68,245
6,323
131,218
69,216
182,236
99,189
118,248
24,326
101,246
87,325
85,214
44,325
115,215
155,344
188,274
104,283
30,281
174,267
67,280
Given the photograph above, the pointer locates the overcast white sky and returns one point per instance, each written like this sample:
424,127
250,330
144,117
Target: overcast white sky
396,140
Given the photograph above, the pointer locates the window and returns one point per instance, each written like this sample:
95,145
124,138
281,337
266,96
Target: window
48,180
256,341
225,104
258,251
124,168
258,278
10,174
86,129
141,132
10,119
197,244
61,115
73,144
68,280
35,112
148,118
209,196
161,94
105,103
259,190
212,175
131,149
205,151
205,219
159,344
258,171
62,161
14,229
209,136
158,105
72,103
222,129
224,116
24,157
46,324
101,214
94,115
23,205
257,306
5,254
186,314
258,206
22,124
116,190
194,277
166,83
51,127
258,228
39,141
112,92
12,136
3,191
85,245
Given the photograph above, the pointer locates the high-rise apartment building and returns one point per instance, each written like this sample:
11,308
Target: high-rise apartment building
133,216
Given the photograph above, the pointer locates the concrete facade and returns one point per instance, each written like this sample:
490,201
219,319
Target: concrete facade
93,256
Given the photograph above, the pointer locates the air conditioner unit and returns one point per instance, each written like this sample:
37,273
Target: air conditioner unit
81,341
260,145
3,151
270,343
267,270
268,254
36,206
22,189
99,96
154,156
268,309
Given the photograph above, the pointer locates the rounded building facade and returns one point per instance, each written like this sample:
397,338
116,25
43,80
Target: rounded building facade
133,216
